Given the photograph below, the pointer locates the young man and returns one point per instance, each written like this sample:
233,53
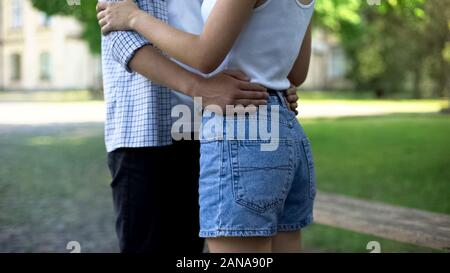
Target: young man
155,179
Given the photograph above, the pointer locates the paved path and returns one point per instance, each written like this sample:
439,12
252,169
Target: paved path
27,113
335,109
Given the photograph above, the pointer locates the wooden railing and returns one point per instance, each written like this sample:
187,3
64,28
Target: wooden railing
391,222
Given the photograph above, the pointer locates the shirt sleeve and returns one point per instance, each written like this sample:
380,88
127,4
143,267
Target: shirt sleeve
125,44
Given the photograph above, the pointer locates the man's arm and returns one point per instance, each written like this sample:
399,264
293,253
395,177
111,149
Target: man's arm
124,44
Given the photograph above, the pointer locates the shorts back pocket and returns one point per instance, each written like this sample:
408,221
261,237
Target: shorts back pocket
311,175
261,179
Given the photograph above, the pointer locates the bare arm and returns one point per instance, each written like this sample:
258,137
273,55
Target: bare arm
228,88
299,72
150,63
136,54
204,52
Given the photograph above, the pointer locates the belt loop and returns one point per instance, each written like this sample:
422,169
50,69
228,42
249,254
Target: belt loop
280,95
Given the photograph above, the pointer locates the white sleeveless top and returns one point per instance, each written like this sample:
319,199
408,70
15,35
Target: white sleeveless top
270,43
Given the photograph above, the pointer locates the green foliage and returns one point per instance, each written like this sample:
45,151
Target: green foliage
84,13
335,15
396,46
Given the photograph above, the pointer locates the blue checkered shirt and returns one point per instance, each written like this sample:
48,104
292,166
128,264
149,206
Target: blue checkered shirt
138,112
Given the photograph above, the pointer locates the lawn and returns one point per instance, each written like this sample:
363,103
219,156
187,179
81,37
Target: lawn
401,159
54,181
54,189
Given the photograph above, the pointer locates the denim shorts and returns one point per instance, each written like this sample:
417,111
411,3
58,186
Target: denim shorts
255,186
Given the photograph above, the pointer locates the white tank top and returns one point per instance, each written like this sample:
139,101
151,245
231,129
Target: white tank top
270,43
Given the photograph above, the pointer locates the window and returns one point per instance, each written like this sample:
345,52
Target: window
338,65
45,66
16,14
16,67
45,20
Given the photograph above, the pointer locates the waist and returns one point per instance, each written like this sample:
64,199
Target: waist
277,97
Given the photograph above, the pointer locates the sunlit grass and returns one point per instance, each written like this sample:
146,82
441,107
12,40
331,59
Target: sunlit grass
320,103
45,96
320,238
54,180
400,159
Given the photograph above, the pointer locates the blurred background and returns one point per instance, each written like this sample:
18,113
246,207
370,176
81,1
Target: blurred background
375,105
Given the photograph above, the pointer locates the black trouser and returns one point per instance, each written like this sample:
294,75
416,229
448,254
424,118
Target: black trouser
155,192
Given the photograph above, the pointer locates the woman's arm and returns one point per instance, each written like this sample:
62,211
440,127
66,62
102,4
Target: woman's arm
299,72
204,52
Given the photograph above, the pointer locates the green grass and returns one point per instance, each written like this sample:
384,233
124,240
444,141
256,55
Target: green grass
319,238
401,159
54,189
54,180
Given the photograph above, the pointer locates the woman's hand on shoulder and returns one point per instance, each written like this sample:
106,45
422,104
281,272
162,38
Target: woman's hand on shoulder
115,16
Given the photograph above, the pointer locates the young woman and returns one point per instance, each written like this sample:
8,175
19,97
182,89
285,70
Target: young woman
251,200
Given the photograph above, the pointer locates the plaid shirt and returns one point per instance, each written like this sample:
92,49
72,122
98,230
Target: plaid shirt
138,111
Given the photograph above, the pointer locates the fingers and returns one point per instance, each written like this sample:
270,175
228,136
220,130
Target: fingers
291,91
252,95
292,98
249,102
106,28
243,107
102,22
101,15
101,6
252,87
293,107
291,95
239,75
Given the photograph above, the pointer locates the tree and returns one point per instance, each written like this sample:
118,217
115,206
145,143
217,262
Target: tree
85,13
395,46
388,59
437,36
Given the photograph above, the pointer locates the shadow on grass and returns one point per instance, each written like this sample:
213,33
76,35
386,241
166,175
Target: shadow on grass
54,188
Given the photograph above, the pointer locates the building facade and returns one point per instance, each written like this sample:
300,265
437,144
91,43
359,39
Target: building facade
38,52
328,66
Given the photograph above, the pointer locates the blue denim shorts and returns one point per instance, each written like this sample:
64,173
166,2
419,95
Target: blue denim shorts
250,191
